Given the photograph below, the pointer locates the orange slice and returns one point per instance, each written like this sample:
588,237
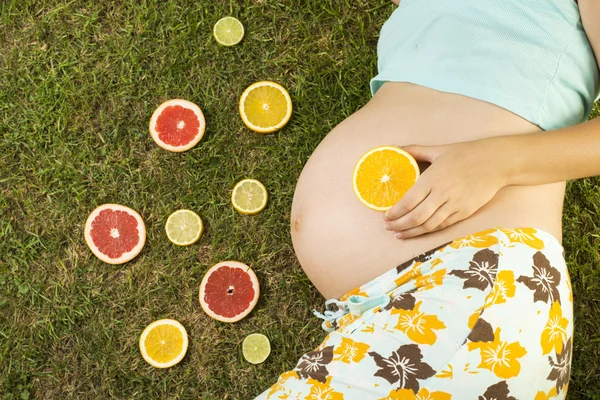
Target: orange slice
164,343
383,175
265,107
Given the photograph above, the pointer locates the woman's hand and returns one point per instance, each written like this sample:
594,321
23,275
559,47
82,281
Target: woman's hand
461,179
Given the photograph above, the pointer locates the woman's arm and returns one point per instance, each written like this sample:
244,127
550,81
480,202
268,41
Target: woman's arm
590,17
556,156
464,176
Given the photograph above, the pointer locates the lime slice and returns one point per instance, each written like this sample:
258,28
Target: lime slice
228,31
249,196
184,227
256,348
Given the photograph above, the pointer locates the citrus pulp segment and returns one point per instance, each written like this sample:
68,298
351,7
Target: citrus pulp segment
249,196
228,31
383,175
256,348
177,125
115,233
265,107
163,343
229,291
184,227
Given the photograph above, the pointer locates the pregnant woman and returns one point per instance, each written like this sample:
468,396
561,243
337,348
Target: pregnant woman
460,291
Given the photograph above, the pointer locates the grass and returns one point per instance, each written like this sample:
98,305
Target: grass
79,80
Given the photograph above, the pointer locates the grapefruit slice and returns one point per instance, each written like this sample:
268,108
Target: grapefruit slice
383,175
177,125
115,233
229,291
164,343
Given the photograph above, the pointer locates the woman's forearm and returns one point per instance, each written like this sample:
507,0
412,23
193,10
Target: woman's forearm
555,156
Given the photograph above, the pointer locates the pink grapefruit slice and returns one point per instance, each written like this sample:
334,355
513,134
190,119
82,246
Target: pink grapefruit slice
115,233
177,125
229,291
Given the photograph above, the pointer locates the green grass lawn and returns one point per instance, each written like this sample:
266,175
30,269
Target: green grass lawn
79,81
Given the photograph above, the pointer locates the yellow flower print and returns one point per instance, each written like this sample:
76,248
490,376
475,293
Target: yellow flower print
427,282
483,239
400,394
322,391
350,351
355,292
503,288
474,317
347,320
555,331
569,287
446,373
544,396
524,235
424,394
499,357
280,385
414,272
417,325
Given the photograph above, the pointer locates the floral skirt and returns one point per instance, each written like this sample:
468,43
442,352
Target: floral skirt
486,316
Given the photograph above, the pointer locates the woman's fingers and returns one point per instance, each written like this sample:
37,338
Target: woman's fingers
432,224
417,216
408,202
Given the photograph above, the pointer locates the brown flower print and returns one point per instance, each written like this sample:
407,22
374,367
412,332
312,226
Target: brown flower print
421,258
482,332
403,367
545,280
499,391
402,301
313,364
482,270
561,369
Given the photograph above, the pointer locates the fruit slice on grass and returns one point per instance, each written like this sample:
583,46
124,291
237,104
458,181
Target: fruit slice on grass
229,291
256,348
164,343
228,31
177,125
249,196
184,227
115,233
265,107
383,175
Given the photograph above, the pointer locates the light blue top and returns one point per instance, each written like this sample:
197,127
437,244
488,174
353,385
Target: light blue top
531,57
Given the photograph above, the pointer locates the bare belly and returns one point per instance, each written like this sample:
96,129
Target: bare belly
341,244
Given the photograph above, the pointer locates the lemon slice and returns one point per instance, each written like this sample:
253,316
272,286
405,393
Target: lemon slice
256,348
184,227
265,107
228,31
164,343
249,196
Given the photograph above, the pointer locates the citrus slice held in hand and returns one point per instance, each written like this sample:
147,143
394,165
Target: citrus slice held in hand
228,31
383,175
177,125
265,107
256,348
229,291
184,227
164,343
249,196
115,233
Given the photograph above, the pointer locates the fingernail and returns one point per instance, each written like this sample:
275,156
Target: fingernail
398,235
386,216
388,227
